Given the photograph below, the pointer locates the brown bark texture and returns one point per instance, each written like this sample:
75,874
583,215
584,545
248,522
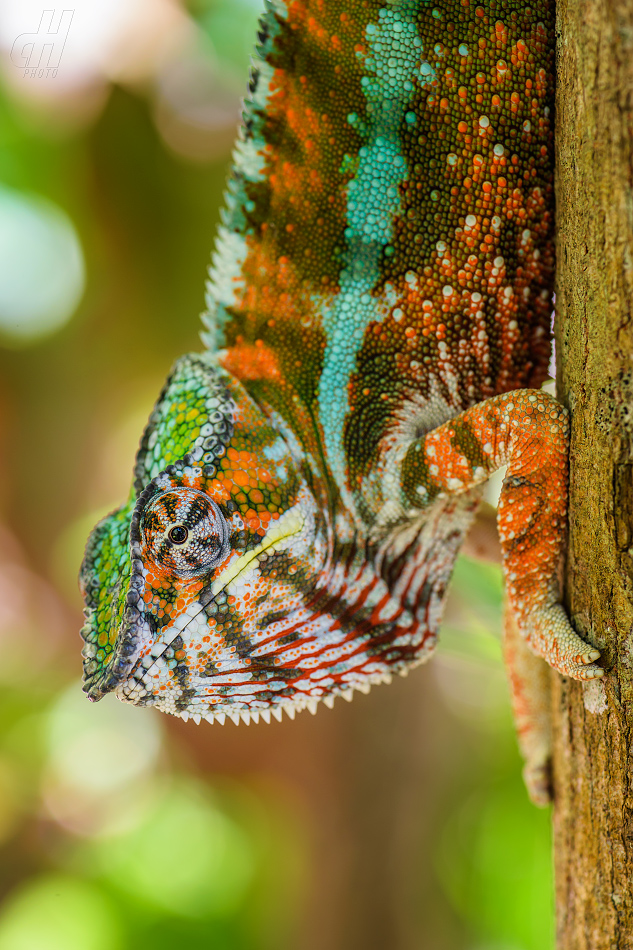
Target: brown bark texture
593,723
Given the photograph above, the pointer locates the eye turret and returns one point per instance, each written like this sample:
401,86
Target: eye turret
184,532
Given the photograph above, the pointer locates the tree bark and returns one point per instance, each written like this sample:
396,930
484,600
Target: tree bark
593,758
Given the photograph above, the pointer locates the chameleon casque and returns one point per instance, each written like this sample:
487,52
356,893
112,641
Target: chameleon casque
377,330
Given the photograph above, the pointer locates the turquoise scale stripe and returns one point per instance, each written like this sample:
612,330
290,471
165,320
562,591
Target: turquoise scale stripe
394,66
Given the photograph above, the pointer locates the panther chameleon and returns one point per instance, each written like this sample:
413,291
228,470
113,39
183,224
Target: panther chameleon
377,330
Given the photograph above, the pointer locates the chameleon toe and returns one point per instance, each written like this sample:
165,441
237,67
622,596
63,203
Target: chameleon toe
589,673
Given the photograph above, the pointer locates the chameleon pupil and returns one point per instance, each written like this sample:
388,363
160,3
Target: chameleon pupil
178,535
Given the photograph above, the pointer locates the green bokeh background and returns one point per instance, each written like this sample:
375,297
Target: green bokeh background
399,821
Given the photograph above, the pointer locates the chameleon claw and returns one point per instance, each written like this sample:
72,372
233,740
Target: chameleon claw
595,672
590,672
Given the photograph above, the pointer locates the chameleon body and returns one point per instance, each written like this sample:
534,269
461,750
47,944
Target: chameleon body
377,330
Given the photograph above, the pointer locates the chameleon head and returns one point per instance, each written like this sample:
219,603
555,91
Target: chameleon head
191,585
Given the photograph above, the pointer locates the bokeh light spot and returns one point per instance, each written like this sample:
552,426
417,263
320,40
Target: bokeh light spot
42,275
188,857
59,913
101,747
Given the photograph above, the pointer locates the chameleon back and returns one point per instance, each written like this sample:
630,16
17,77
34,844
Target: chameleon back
386,253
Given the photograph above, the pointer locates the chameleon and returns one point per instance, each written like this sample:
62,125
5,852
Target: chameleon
376,335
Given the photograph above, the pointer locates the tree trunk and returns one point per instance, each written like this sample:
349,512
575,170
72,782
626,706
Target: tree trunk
593,764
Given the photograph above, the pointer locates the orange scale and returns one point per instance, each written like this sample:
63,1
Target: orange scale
241,478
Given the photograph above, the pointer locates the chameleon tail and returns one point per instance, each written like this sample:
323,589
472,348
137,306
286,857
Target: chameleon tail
528,675
531,698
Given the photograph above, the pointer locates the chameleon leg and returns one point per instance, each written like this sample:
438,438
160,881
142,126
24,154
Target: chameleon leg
526,430
528,675
530,688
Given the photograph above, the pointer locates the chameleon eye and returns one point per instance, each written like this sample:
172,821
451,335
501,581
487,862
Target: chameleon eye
184,532
178,534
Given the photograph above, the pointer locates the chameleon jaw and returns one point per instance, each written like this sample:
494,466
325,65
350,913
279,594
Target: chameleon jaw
248,650
290,708
288,525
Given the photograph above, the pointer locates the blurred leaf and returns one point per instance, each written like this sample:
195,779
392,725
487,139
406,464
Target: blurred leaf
495,862
59,913
187,856
231,27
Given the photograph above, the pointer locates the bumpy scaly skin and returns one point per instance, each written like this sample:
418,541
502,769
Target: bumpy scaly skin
379,300
530,684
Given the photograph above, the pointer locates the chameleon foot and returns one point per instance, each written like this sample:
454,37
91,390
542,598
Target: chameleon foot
550,634
538,781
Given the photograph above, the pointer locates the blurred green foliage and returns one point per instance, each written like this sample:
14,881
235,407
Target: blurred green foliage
398,822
